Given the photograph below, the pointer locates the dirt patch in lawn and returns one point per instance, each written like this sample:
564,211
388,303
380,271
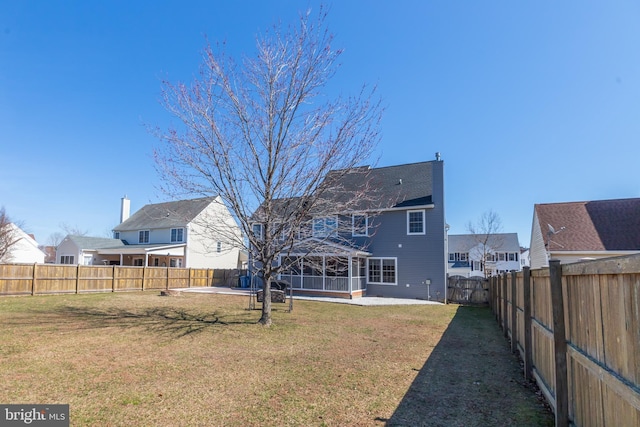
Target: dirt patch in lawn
472,379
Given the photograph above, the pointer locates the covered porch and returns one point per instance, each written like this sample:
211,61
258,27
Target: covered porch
340,273
144,256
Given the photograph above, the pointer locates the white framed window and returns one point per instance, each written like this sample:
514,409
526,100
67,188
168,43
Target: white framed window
143,236
257,231
359,225
138,262
116,234
415,222
382,271
177,235
325,226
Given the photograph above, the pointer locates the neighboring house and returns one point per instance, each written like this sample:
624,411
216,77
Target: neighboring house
24,248
393,247
85,250
482,255
576,231
171,234
525,260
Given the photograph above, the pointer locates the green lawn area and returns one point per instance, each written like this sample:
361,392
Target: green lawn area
139,359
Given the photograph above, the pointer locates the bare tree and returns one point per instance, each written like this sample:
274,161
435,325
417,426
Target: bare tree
55,239
9,236
486,234
263,136
73,230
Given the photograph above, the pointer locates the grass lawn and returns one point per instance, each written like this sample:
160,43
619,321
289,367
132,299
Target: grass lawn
138,359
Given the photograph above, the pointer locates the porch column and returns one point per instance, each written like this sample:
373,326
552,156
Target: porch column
350,274
324,272
121,259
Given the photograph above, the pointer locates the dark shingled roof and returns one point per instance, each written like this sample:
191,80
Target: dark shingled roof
383,188
601,225
165,215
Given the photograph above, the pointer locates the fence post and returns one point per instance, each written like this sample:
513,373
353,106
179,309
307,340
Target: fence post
505,322
77,277
113,279
33,280
514,313
526,288
144,276
560,344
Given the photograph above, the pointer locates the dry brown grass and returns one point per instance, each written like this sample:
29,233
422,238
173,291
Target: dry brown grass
138,359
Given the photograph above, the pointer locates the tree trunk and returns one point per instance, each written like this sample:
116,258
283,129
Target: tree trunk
265,320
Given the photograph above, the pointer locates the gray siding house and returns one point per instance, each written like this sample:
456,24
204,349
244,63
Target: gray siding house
393,244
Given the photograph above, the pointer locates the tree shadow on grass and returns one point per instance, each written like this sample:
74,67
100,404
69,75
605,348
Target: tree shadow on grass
471,378
174,322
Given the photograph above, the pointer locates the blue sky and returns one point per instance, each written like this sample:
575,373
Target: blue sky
528,102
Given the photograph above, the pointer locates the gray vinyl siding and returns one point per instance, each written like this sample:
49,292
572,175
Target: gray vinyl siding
419,257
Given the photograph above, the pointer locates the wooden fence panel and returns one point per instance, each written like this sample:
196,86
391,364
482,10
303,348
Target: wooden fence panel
591,376
178,278
128,278
156,278
467,290
92,278
27,279
52,279
200,277
16,279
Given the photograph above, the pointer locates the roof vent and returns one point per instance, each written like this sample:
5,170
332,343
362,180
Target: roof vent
400,181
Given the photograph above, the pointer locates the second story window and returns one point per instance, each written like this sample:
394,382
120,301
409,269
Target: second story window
325,226
116,234
257,231
360,223
177,235
143,236
415,222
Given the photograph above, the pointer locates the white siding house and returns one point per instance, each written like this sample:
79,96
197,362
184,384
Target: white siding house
479,255
25,249
198,233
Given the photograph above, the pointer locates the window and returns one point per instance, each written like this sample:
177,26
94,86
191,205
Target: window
257,231
458,256
138,262
360,225
501,256
323,227
415,222
143,236
382,271
177,235
116,234
512,256
67,259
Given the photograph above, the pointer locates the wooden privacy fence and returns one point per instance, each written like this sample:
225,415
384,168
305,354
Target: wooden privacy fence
36,279
577,329
467,290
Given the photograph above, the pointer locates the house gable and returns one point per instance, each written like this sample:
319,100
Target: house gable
591,227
